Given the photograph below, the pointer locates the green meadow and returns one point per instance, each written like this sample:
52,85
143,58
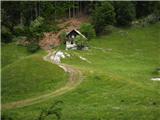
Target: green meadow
116,79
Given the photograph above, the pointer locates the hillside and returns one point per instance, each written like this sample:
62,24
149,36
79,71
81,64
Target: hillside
116,81
25,75
52,39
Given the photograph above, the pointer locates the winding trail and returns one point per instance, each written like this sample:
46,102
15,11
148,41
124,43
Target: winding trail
74,80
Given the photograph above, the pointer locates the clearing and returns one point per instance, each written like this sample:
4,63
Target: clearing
117,81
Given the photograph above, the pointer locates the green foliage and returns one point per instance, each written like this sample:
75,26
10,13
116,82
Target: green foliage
125,12
156,11
19,30
33,47
48,10
36,28
6,34
35,32
151,19
103,15
88,30
81,42
63,37
144,8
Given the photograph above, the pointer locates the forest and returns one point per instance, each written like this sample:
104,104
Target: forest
32,19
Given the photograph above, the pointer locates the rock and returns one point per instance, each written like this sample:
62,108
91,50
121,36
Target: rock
155,79
58,56
57,59
84,59
52,57
85,48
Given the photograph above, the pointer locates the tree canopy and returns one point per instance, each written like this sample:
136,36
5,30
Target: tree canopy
18,17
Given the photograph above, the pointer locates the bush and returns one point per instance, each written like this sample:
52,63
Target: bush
63,37
33,47
125,12
151,19
88,30
19,30
144,8
6,34
36,27
81,42
156,11
103,15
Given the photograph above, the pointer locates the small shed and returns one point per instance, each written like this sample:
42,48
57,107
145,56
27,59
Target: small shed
70,42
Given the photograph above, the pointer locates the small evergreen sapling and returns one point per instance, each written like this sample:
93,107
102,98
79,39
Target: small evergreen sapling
88,30
81,42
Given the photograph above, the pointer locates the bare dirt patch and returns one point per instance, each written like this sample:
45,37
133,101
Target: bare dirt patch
52,39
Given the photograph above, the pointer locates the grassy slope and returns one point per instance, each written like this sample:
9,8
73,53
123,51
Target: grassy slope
11,52
117,85
24,77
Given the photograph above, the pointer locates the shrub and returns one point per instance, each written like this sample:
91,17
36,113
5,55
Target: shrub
36,27
151,19
6,34
88,30
125,12
33,47
81,42
157,10
144,8
103,15
63,37
19,30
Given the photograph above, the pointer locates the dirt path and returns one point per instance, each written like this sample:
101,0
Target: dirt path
74,80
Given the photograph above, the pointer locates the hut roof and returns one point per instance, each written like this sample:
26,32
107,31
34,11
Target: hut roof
78,32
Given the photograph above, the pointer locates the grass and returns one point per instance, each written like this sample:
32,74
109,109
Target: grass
117,83
11,52
29,76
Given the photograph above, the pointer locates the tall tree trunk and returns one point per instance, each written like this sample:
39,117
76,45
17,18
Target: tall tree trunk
31,17
22,15
80,8
69,12
39,8
73,8
35,10
54,10
21,18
